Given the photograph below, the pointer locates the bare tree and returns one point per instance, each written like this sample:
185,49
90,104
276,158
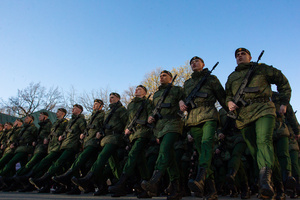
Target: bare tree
87,99
128,95
31,99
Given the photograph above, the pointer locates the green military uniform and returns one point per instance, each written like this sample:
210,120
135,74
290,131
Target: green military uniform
90,143
139,138
12,138
112,141
57,129
40,150
202,120
3,139
27,135
261,111
70,145
168,130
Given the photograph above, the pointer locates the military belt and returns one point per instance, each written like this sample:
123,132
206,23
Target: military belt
109,132
205,104
258,100
170,117
91,126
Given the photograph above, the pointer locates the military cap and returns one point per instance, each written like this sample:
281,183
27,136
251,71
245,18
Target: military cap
45,113
115,94
242,49
99,101
167,72
9,123
63,110
78,106
142,87
196,57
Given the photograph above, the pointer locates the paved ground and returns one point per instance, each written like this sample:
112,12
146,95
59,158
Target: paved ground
35,195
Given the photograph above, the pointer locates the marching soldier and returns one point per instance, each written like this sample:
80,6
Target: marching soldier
202,122
256,118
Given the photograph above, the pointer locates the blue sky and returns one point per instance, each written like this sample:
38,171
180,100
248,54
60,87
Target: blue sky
114,43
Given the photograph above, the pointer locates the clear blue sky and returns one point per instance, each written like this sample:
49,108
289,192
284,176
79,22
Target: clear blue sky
114,43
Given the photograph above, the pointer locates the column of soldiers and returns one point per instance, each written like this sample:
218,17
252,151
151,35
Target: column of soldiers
249,146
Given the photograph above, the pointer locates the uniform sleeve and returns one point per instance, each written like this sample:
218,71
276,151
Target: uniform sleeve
291,119
275,76
228,90
82,125
219,92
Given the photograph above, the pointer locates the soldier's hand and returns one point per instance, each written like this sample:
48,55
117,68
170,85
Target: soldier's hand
157,140
182,106
127,131
232,106
190,138
221,136
217,151
282,109
46,141
2,146
33,144
60,138
151,119
12,146
82,136
98,135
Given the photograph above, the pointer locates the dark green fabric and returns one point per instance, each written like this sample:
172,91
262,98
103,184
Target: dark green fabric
88,153
43,133
10,167
43,166
236,156
57,129
295,163
12,138
167,125
166,157
5,159
214,90
258,136
203,135
67,156
263,77
137,159
27,135
281,147
30,164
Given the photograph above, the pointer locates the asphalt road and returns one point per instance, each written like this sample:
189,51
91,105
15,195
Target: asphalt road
35,195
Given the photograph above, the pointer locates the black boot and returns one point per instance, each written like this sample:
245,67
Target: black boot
120,186
174,192
11,184
265,189
101,190
83,183
230,177
151,186
289,183
279,190
27,188
40,182
64,179
212,192
245,192
297,189
74,190
197,185
234,192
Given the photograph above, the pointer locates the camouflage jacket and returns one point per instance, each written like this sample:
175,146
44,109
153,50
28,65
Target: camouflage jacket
171,121
205,110
43,133
57,129
141,129
116,125
259,102
93,127
75,127
27,135
12,138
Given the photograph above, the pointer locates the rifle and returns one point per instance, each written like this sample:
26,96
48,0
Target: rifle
189,101
156,112
133,123
105,124
238,97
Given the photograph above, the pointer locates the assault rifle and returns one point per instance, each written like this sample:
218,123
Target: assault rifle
156,112
238,97
133,123
189,101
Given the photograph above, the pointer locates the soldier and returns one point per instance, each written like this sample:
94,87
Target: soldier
167,130
40,144
57,129
3,135
139,134
69,148
2,139
90,144
202,122
10,143
257,118
114,124
27,136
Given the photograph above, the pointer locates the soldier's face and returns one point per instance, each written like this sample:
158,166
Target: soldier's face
17,123
165,78
28,120
7,126
60,114
42,117
242,57
76,110
96,106
139,92
197,65
113,99
1,128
